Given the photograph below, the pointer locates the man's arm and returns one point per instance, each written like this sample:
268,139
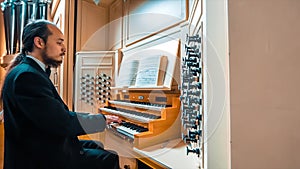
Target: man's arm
37,102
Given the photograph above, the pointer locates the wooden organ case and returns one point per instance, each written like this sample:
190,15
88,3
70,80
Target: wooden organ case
148,118
147,92
146,98
156,89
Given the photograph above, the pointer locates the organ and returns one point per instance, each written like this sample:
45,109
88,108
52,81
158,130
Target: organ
156,91
150,111
148,118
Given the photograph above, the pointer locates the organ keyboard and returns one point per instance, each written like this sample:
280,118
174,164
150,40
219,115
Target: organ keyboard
148,117
130,114
128,129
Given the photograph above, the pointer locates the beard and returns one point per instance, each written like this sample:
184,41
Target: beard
51,62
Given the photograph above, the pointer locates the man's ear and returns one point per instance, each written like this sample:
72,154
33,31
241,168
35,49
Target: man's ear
38,42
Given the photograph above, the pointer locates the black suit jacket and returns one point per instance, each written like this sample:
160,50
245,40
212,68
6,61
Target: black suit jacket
40,131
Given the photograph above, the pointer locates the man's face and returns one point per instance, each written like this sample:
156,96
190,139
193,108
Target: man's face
55,48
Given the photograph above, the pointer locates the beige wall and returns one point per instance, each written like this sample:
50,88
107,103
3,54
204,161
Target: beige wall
264,82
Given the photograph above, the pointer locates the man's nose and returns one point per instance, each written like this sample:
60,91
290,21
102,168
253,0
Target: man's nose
64,49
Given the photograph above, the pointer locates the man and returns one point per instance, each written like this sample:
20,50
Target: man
40,131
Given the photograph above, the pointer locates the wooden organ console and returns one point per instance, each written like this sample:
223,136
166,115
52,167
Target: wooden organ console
149,94
148,117
147,97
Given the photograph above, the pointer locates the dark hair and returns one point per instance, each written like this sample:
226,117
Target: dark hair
36,28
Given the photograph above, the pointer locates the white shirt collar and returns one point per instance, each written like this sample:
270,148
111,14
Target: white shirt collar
41,64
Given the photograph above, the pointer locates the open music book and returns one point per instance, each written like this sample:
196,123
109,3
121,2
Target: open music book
151,71
151,67
146,72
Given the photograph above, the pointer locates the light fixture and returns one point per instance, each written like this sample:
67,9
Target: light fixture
97,2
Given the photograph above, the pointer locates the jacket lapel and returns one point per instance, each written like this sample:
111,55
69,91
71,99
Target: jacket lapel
33,64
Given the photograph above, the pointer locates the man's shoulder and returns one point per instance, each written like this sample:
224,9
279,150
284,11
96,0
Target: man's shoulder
23,69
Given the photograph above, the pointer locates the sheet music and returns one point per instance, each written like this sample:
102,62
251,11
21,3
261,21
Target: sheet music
128,72
152,67
151,71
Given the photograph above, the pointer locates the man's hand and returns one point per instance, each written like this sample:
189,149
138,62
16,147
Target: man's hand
112,118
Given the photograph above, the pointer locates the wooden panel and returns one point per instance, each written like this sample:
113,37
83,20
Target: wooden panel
92,33
59,19
54,6
92,64
115,26
196,14
97,61
147,18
